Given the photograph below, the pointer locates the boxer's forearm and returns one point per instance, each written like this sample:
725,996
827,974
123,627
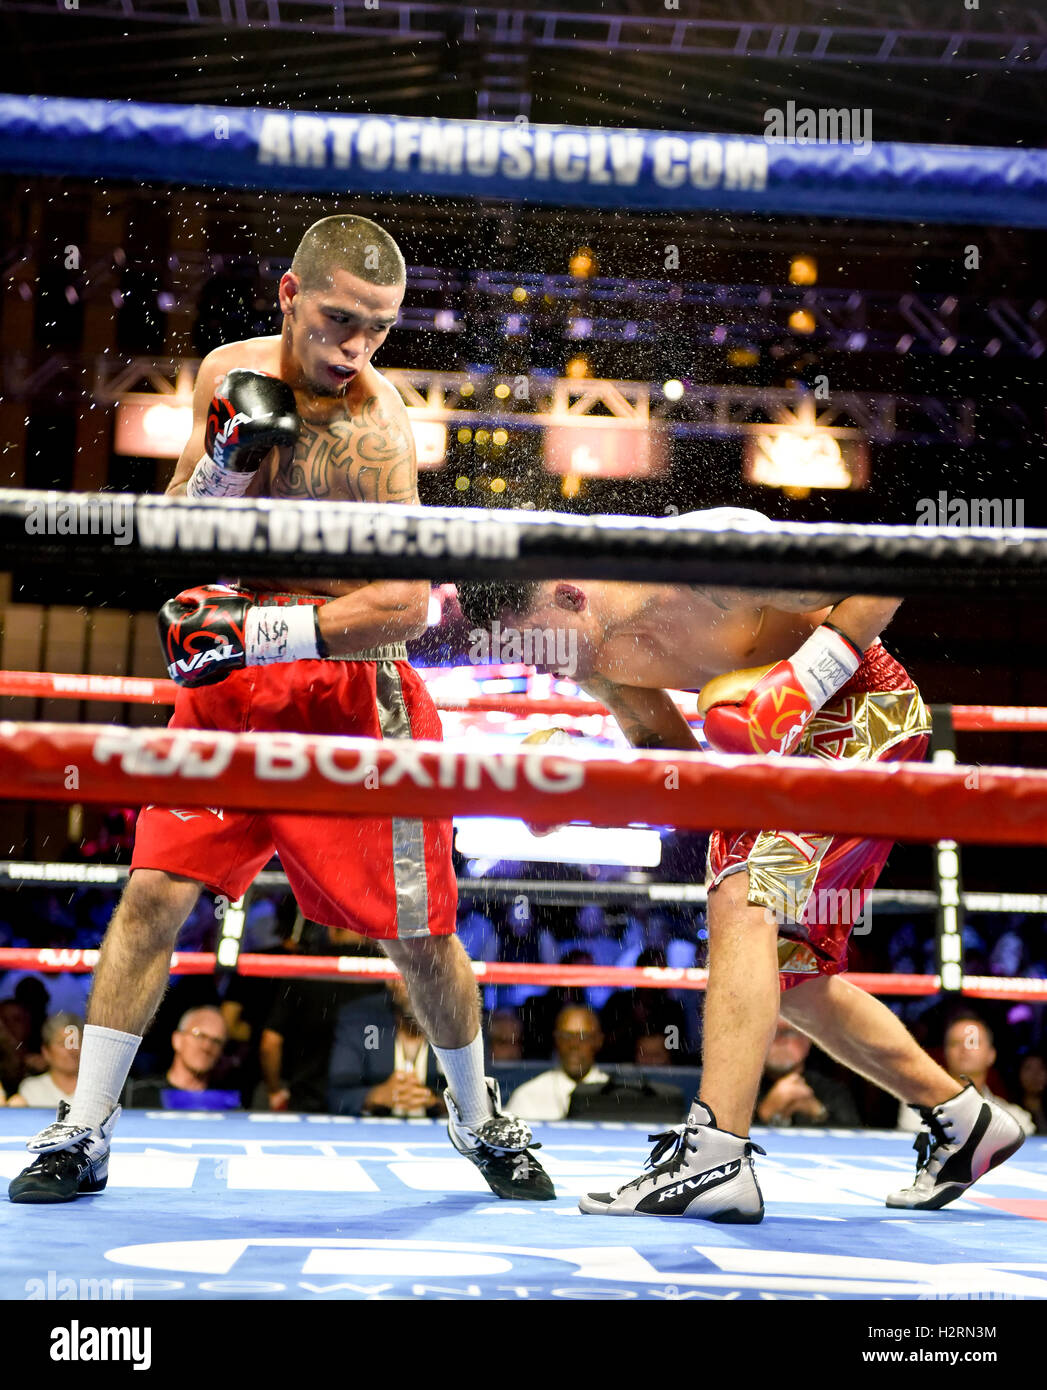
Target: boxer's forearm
648,718
374,615
861,619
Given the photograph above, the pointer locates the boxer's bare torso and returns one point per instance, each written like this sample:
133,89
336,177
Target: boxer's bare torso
355,446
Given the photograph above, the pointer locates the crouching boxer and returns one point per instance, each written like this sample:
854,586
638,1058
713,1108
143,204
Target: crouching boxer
777,673
300,415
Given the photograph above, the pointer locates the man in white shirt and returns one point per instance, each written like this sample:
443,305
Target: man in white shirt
969,1054
578,1039
61,1048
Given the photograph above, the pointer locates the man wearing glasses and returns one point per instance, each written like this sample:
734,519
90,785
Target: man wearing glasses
198,1043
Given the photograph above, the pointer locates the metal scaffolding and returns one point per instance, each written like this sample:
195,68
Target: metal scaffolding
944,35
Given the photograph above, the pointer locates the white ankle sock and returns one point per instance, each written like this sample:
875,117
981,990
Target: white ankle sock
105,1059
464,1069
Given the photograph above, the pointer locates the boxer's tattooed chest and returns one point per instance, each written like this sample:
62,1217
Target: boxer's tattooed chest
365,458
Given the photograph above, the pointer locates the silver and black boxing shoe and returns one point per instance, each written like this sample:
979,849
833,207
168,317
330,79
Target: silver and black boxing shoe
959,1142
73,1161
502,1149
696,1170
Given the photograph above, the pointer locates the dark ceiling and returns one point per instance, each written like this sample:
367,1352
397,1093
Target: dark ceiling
931,72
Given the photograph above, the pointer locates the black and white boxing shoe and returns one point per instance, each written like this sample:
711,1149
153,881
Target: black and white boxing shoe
73,1161
697,1170
502,1148
959,1142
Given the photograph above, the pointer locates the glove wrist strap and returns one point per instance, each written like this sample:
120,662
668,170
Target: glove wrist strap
210,479
281,634
825,663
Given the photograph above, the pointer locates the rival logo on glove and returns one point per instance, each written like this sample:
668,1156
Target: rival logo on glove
182,667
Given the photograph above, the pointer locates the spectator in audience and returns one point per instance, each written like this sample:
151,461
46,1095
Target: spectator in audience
795,1093
381,1063
249,999
197,1044
969,1056
505,1036
15,1027
540,1012
631,1014
61,1035
35,997
578,1039
652,1050
295,1050
1032,1079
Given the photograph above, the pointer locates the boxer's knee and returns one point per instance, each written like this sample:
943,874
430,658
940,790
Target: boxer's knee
424,954
152,909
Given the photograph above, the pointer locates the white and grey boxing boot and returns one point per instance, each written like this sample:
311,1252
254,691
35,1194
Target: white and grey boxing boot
960,1141
697,1170
72,1161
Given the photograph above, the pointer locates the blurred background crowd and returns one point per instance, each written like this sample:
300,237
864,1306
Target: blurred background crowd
228,1041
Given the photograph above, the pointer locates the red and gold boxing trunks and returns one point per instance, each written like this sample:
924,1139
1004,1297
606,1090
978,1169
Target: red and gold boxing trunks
390,877
816,885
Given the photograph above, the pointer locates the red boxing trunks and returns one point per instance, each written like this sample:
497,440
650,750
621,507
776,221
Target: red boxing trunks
389,878
815,885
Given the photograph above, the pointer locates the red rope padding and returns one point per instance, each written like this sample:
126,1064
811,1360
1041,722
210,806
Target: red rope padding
51,961
51,685
982,718
315,774
138,690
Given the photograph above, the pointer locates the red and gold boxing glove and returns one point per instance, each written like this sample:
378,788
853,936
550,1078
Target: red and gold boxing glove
765,709
212,630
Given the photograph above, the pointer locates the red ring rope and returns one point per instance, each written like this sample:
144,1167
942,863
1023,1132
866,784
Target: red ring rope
53,685
52,961
317,774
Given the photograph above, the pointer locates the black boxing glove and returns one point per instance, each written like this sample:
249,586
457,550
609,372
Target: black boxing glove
250,414
212,630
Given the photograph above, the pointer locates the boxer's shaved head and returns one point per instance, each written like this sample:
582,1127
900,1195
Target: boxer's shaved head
347,242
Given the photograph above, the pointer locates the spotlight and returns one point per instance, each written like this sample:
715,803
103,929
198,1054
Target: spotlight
501,390
500,437
578,367
583,263
519,294
672,390
803,270
461,484
802,321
